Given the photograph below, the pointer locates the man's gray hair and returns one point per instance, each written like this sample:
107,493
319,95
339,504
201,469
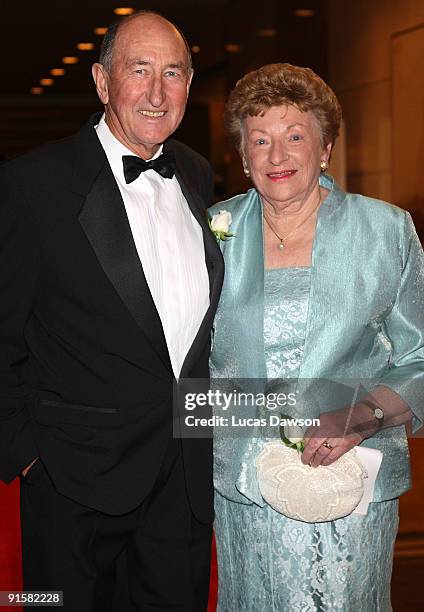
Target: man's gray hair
108,43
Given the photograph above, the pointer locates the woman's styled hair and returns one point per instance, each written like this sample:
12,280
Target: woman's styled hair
278,84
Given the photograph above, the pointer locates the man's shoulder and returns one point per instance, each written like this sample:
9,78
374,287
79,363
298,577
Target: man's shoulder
46,156
55,156
185,153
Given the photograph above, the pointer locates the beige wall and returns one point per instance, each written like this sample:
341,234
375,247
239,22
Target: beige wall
408,121
362,38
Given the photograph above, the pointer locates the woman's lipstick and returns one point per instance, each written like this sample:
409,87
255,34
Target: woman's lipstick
281,175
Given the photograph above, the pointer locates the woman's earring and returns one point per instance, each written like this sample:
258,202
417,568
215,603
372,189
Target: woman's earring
245,167
323,166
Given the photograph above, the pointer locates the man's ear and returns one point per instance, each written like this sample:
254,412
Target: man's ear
101,80
189,79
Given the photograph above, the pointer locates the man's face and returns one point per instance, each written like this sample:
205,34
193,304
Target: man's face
145,92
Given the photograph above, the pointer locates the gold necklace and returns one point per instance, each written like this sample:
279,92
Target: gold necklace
282,239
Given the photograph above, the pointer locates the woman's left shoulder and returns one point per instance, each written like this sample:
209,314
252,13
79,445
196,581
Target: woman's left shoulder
365,206
235,205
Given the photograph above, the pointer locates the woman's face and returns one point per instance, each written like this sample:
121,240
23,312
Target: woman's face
282,150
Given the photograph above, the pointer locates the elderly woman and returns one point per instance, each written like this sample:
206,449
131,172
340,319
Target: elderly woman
320,284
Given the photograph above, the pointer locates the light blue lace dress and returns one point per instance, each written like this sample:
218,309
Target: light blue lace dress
267,562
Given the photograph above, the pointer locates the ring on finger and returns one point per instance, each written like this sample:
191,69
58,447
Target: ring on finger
327,445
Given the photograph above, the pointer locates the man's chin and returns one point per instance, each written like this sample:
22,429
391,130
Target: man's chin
153,138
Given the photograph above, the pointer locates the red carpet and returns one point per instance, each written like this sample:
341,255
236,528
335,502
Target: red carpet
10,540
213,587
10,559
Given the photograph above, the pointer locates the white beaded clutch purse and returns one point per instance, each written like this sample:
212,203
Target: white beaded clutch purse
312,495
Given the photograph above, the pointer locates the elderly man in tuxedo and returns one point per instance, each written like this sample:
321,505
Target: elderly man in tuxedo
109,283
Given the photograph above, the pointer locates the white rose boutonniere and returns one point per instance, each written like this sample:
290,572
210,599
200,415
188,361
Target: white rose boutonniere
220,225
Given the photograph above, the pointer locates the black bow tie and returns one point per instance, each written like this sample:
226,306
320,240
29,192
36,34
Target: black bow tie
134,166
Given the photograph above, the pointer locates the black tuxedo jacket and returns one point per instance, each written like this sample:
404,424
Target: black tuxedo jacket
86,380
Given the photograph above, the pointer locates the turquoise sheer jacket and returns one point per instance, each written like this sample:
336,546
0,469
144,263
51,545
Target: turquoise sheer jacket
365,321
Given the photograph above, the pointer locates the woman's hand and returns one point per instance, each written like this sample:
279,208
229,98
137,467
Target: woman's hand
341,430
335,435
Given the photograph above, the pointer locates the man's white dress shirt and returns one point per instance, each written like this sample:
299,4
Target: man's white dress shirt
169,243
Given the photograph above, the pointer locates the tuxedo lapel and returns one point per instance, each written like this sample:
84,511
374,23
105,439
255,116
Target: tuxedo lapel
213,257
105,223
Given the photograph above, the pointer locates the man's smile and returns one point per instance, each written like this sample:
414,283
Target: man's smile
149,113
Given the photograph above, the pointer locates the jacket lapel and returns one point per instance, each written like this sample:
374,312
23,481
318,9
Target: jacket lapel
104,221
322,294
212,252
213,257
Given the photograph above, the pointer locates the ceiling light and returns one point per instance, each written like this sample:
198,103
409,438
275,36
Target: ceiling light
57,71
70,59
46,82
304,12
232,48
36,90
100,31
267,32
195,48
123,10
85,46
